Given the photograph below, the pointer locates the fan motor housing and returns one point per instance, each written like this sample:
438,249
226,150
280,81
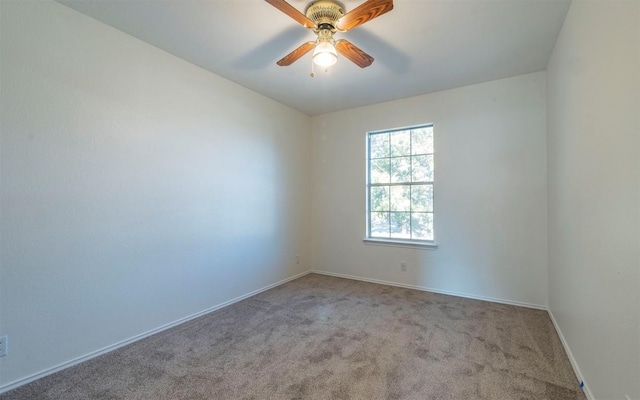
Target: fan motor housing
325,13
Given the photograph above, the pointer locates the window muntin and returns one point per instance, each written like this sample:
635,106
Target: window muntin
400,176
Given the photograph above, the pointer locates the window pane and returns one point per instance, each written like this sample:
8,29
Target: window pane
422,198
400,143
380,198
379,145
400,198
400,188
380,171
400,225
422,140
401,169
422,168
422,226
379,224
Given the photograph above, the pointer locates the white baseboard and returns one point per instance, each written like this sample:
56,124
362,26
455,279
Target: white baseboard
23,381
572,360
432,290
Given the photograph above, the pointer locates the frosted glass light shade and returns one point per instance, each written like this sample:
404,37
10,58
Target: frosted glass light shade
325,55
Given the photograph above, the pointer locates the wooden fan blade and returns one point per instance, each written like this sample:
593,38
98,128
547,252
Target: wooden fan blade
366,11
296,54
292,12
353,53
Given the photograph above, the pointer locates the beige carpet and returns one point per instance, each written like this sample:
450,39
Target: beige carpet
320,337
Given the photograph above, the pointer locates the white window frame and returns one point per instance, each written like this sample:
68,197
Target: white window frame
402,242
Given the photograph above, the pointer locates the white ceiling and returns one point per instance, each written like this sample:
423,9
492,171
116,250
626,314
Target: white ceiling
421,46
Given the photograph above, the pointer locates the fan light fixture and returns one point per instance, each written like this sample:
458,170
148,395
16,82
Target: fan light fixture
325,18
325,54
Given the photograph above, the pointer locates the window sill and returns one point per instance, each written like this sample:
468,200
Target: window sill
401,243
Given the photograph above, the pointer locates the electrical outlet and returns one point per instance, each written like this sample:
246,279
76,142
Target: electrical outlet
403,266
4,346
297,258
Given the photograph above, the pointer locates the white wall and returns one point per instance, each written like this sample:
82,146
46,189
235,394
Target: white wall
137,189
593,88
490,192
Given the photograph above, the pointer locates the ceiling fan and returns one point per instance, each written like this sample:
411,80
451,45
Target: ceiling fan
326,17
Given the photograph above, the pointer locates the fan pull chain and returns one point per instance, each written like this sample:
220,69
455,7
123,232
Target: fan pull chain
313,74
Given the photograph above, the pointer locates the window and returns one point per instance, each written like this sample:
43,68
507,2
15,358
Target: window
400,185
